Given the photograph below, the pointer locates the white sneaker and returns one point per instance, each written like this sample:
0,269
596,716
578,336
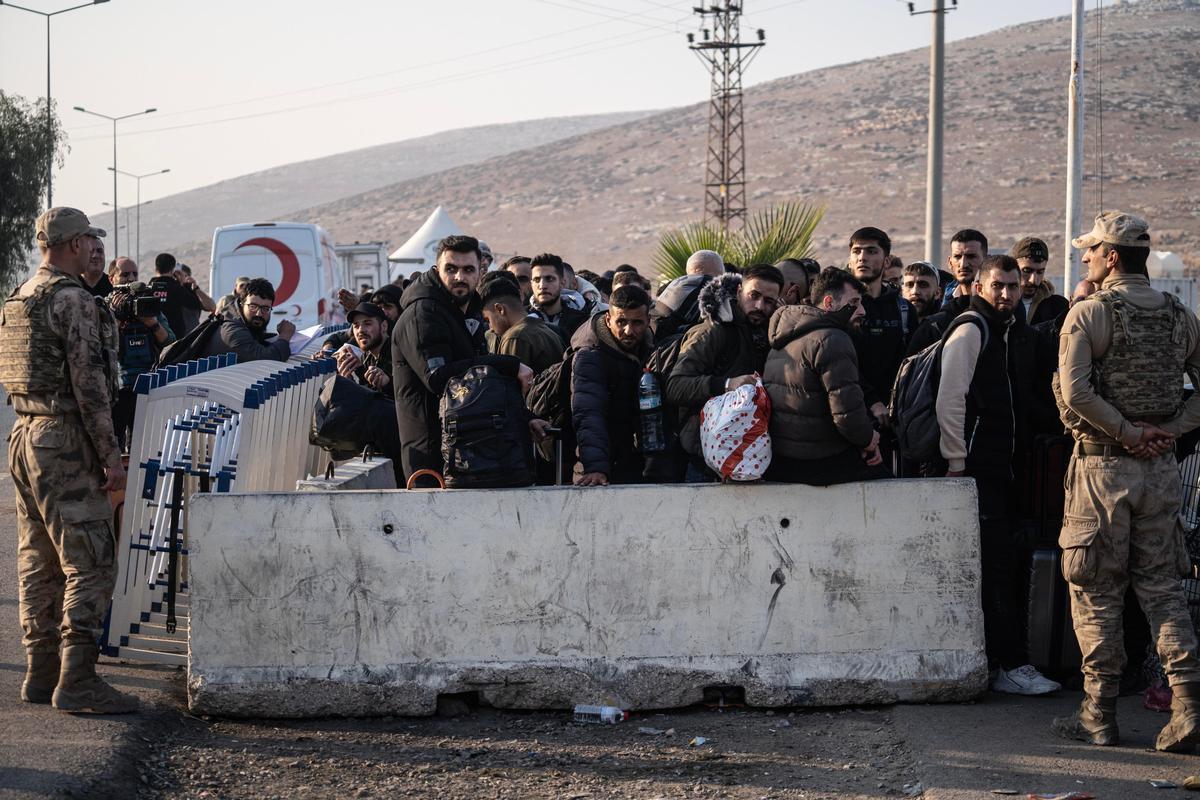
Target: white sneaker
1023,680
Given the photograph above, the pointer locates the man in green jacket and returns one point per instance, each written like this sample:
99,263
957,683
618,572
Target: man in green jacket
515,332
723,352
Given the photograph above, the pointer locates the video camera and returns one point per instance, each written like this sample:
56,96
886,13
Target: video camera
134,301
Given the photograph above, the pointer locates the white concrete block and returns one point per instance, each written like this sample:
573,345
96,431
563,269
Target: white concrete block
361,603
353,474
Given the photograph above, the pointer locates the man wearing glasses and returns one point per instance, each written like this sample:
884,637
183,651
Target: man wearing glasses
245,333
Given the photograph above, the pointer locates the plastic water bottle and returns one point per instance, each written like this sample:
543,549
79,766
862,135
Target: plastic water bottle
600,715
652,439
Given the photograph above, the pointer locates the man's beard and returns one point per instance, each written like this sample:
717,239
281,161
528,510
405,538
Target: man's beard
256,323
372,344
543,300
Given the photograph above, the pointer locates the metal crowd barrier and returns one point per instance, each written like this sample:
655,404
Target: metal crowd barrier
210,425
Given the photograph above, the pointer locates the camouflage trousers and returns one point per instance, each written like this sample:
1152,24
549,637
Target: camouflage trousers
66,547
1120,528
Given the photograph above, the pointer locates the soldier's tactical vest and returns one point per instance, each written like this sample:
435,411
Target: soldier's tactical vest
1141,375
32,357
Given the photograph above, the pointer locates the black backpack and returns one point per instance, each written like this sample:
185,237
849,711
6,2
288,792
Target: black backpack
549,395
680,319
192,346
486,441
913,409
347,417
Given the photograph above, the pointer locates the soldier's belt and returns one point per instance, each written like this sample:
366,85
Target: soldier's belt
1105,450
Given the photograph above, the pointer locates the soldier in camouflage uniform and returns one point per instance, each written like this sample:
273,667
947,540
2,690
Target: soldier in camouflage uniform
1122,355
58,365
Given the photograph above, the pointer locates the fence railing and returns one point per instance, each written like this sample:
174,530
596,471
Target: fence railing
210,425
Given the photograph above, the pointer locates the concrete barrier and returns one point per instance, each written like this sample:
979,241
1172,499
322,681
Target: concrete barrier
376,473
368,603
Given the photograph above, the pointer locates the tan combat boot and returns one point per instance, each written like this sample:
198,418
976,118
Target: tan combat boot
80,689
1182,731
1095,722
41,676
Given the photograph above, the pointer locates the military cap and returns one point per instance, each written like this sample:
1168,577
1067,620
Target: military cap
61,224
1032,248
1116,227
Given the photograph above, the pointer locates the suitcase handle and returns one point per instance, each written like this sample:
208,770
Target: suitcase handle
421,473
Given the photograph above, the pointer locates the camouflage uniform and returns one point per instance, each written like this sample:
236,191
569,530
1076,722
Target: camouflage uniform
1123,352
58,365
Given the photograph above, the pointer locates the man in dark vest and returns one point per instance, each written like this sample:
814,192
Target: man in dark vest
977,409
1122,356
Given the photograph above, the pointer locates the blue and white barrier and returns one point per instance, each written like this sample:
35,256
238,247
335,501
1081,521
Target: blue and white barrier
210,425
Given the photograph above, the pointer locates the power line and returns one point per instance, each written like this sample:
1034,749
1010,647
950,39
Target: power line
374,76
587,48
510,66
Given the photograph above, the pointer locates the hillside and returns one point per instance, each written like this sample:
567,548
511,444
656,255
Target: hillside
275,193
853,138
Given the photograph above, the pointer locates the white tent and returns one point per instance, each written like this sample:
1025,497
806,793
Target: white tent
1164,264
420,251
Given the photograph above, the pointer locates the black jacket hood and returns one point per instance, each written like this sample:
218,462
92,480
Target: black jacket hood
428,286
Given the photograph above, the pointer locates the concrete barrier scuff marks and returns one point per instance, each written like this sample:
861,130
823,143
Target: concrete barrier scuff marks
361,603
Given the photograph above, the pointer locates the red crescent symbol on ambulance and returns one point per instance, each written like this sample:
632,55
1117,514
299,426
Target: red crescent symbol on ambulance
287,260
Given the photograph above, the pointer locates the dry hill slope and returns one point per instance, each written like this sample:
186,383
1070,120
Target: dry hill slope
853,137
274,193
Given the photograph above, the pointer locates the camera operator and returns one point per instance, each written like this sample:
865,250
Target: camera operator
142,333
176,295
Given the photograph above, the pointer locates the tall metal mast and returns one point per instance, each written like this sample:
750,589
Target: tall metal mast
721,48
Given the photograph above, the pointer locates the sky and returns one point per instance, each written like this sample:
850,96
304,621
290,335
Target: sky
243,86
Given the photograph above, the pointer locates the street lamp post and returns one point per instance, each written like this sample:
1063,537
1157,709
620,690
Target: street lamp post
138,178
114,121
118,227
49,113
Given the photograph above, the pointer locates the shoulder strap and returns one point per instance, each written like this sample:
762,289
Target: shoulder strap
975,318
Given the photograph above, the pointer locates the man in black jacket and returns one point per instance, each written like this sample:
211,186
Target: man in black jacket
547,301
887,323
371,364
1038,298
439,336
177,297
611,351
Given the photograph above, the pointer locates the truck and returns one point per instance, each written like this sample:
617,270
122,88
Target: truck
298,259
365,264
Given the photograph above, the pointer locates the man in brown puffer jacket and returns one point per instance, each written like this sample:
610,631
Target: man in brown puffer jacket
821,431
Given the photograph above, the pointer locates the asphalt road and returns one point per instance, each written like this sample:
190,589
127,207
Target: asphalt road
44,753
957,752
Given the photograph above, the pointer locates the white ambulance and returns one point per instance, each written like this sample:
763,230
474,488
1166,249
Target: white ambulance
297,258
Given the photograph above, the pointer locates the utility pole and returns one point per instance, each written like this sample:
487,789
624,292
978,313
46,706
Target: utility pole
1071,257
721,48
114,121
933,173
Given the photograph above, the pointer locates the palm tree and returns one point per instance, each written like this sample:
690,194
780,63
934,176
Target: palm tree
782,231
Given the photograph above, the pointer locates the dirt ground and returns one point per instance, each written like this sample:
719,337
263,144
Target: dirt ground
487,753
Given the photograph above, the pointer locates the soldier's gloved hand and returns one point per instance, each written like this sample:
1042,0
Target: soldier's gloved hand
114,478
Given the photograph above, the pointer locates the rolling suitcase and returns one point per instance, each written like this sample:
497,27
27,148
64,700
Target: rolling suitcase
1050,635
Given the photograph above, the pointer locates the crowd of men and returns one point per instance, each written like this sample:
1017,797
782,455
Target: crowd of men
1015,361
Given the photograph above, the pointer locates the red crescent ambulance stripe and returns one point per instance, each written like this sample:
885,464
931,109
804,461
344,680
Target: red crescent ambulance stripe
287,260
